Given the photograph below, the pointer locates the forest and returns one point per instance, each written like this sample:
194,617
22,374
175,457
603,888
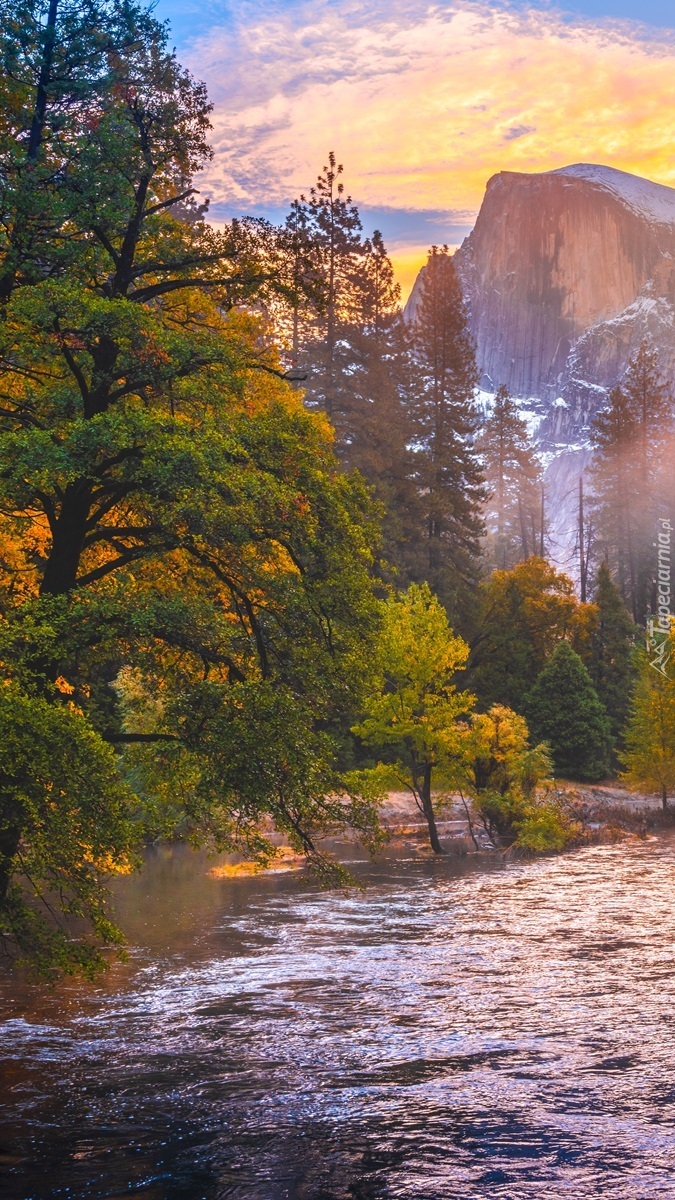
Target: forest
264,553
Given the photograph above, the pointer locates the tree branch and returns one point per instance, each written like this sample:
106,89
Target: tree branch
107,245
114,738
168,203
174,285
113,565
73,367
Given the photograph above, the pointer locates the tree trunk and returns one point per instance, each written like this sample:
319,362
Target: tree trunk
523,530
68,537
429,811
582,557
10,837
664,796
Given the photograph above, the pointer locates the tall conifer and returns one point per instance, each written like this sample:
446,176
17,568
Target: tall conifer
335,226
563,710
629,437
514,479
378,428
449,472
610,662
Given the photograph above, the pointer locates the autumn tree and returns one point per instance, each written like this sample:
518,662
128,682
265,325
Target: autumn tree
187,603
413,710
524,614
506,780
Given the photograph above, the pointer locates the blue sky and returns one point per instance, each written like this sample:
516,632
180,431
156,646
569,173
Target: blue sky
192,18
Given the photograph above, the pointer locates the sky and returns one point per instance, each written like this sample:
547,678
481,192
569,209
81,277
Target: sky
424,102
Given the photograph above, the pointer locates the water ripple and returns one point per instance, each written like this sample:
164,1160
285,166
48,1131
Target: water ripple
447,1033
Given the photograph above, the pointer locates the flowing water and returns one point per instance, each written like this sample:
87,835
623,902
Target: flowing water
448,1032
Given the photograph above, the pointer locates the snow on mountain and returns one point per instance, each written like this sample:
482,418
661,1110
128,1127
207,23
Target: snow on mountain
565,274
653,201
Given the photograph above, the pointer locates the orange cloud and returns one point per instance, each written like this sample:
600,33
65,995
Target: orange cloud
423,106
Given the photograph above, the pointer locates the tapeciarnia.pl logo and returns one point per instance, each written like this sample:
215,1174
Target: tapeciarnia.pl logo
659,645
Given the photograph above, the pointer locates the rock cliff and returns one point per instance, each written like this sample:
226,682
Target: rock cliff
565,273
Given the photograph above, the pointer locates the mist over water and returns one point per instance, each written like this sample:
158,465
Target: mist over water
453,1031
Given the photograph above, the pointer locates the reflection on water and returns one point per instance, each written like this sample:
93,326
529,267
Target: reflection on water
450,1032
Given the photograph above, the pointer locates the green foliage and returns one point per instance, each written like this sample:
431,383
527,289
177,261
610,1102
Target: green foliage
62,799
185,575
413,708
507,781
649,756
525,613
399,394
611,652
545,827
563,710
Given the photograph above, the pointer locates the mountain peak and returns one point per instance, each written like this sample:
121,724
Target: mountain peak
654,201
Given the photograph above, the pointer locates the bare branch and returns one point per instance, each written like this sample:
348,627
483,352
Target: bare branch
168,203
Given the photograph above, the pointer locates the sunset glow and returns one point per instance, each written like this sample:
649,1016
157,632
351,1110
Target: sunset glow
424,105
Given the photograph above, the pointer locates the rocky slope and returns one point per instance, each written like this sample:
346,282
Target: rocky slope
565,273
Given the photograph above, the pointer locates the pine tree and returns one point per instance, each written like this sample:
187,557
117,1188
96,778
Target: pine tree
59,63
610,662
563,710
378,427
448,467
301,282
650,737
651,404
514,479
629,438
613,436
335,228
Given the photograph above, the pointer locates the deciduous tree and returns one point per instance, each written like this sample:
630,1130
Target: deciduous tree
525,612
414,709
176,518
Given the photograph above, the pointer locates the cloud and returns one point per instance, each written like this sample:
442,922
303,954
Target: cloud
518,131
423,102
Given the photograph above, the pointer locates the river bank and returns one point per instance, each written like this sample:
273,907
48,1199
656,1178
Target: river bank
603,813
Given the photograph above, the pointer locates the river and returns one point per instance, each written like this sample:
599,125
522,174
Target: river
454,1030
